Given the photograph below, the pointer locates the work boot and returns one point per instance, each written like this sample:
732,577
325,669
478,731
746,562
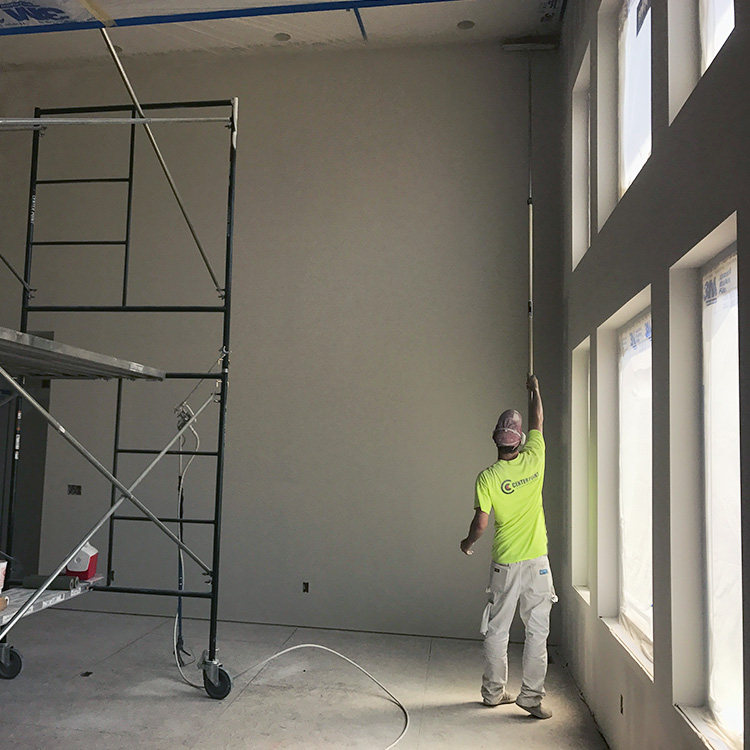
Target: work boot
538,711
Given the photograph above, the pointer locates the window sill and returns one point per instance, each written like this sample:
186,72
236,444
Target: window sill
699,720
630,645
584,592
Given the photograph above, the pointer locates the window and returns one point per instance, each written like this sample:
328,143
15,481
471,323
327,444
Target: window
605,135
581,161
721,404
717,23
706,576
697,31
635,479
580,429
683,51
620,487
634,89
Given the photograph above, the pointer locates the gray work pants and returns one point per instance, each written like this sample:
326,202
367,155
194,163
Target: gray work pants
528,584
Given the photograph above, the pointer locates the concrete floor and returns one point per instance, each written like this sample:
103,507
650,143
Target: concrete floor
93,680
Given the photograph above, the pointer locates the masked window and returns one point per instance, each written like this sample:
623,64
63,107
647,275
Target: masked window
721,408
635,507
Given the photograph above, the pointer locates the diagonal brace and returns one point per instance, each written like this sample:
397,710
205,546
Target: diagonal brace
127,495
18,276
103,469
159,156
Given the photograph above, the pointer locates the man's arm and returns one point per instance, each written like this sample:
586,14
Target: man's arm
478,525
536,413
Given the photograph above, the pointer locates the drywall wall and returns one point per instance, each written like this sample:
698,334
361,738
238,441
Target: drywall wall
696,177
379,319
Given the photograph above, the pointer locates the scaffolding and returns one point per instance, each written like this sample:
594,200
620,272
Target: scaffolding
23,355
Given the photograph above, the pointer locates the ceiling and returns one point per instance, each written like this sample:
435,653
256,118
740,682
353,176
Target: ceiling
145,27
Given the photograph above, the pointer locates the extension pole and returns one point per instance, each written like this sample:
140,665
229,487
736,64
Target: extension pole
157,151
530,203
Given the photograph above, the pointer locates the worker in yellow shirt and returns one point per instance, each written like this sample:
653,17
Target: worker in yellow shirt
520,573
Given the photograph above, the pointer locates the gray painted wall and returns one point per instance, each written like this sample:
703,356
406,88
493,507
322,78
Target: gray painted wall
696,177
379,319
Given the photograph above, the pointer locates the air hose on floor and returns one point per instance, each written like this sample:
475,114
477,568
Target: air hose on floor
354,664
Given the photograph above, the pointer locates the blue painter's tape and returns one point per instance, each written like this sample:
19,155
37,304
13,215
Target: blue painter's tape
268,10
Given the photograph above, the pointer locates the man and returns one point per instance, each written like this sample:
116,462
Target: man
520,572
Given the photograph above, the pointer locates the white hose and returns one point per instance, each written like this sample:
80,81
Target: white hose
180,489
354,664
177,658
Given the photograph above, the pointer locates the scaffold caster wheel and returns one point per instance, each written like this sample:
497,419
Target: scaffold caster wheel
220,690
10,664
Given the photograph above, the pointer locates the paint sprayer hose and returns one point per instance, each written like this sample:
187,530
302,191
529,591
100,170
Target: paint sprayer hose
354,664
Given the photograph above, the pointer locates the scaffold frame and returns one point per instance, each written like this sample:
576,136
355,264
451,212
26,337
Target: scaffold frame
34,355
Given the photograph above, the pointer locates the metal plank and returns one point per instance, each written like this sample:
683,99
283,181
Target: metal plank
18,597
25,355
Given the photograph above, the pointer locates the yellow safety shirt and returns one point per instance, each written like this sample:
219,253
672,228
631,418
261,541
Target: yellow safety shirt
513,489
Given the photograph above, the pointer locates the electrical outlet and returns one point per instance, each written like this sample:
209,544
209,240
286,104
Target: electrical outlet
305,587
74,489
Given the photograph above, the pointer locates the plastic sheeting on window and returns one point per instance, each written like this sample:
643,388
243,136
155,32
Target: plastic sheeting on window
717,23
721,388
636,597
634,89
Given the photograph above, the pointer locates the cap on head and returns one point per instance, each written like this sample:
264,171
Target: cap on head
507,432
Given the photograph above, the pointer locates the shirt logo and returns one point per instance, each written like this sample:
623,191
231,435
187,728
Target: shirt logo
509,487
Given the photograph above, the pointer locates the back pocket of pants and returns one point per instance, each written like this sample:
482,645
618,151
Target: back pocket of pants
542,581
499,578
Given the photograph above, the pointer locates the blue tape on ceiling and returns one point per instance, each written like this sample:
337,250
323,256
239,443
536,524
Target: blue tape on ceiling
269,10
